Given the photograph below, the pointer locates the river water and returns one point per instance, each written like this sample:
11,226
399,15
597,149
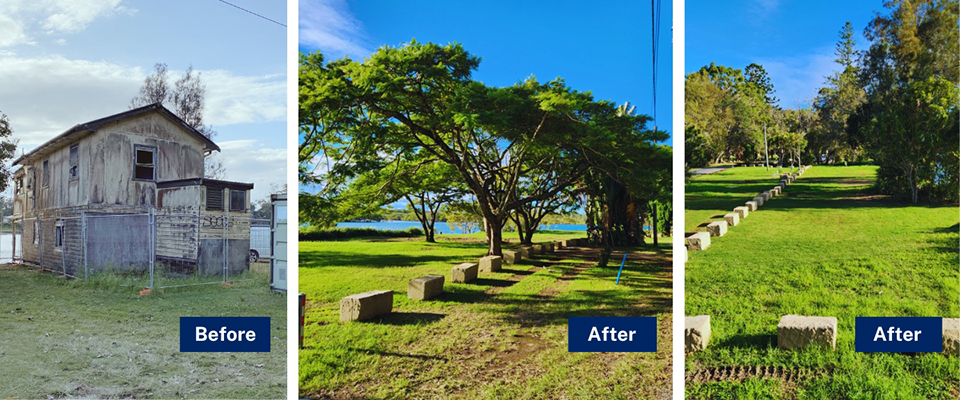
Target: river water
442,227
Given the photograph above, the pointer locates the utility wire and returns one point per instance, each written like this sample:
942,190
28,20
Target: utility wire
251,12
655,27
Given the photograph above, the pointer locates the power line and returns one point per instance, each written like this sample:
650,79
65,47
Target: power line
251,12
655,9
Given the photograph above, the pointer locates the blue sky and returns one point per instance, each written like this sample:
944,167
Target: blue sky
793,40
64,62
602,48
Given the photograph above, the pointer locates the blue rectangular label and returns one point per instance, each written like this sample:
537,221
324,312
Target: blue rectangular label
223,334
612,334
899,334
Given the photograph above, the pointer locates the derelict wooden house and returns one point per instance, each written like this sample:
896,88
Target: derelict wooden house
126,190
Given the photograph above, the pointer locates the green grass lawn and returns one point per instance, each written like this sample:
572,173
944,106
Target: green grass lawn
501,336
829,247
66,338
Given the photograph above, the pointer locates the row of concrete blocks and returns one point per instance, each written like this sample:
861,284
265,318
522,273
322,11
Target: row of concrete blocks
796,332
379,302
701,240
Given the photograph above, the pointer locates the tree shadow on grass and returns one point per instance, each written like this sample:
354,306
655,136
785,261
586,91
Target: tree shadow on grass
392,354
492,282
320,259
945,240
747,341
406,318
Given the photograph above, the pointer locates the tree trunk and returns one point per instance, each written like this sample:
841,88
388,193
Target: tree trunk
656,243
494,237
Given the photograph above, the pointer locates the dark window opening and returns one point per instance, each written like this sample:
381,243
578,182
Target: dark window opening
214,198
46,173
145,166
59,235
238,200
75,161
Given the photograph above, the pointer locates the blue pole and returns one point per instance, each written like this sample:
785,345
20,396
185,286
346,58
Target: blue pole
621,268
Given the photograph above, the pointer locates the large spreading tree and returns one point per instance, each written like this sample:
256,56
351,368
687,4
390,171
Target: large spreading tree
418,102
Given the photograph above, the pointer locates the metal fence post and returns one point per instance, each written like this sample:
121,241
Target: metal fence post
152,243
63,243
83,230
226,244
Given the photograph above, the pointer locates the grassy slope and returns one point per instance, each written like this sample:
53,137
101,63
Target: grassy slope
68,339
502,336
826,248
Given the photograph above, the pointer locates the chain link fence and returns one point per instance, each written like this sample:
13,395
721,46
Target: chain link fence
154,249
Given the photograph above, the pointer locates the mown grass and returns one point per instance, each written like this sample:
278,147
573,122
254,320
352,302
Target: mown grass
98,339
501,336
829,247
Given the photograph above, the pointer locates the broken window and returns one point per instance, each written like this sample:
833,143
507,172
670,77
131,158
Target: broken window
59,234
214,198
46,173
145,163
238,200
36,232
75,162
18,186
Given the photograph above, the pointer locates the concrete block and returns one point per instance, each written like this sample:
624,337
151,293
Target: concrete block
796,332
366,305
465,272
743,211
766,196
548,247
491,263
425,287
698,241
539,249
775,191
951,336
557,245
732,219
717,228
526,251
752,205
512,257
696,333
759,200
569,243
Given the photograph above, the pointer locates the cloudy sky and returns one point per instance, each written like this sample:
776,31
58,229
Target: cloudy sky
64,62
793,40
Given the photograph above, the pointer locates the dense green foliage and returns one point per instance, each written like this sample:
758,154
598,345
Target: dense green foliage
411,119
910,122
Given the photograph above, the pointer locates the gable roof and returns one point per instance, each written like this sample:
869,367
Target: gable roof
93,126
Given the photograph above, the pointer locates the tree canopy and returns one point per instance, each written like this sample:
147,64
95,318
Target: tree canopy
416,104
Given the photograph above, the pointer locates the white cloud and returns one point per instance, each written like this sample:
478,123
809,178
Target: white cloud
329,26
18,17
234,99
249,161
46,96
11,31
797,79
